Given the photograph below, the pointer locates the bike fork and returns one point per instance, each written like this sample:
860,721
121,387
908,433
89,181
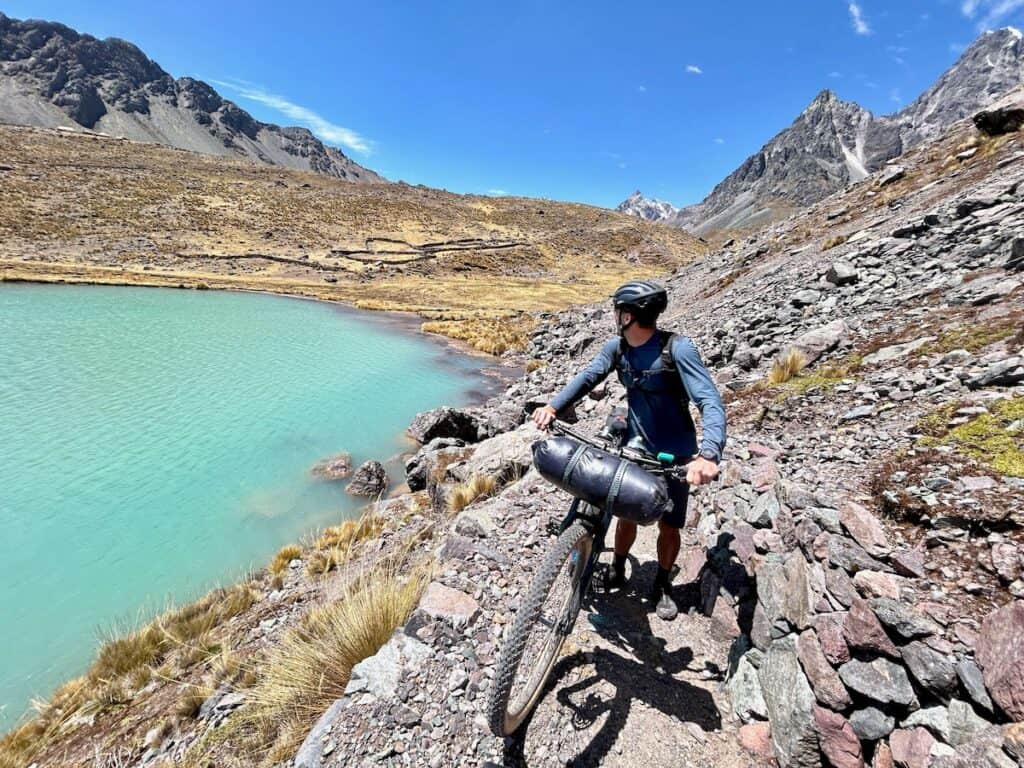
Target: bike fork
565,624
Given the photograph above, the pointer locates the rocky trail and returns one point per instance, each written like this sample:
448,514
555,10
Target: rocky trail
853,579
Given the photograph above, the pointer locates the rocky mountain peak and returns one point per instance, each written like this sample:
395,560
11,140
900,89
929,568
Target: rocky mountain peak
647,208
51,75
833,143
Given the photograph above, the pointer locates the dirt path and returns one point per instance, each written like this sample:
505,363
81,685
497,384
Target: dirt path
633,690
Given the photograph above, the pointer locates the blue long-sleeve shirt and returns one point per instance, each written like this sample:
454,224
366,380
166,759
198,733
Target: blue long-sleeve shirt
659,407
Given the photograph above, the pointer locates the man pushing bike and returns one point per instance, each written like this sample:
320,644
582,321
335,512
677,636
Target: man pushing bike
662,373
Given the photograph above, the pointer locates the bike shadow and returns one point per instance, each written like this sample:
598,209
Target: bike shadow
643,671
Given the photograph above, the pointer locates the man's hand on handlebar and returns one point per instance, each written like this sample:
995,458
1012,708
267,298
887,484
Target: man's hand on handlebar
543,416
701,471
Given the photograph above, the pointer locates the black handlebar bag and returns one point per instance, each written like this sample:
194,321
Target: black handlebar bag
602,479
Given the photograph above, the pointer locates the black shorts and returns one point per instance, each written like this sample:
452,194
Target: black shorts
679,492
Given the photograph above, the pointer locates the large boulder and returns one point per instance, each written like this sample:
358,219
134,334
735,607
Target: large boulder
837,740
444,422
865,528
790,701
825,682
1000,653
911,747
504,457
1000,120
745,690
369,480
817,341
879,680
932,670
419,466
863,631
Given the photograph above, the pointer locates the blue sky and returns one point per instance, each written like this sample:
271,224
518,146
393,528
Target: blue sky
581,101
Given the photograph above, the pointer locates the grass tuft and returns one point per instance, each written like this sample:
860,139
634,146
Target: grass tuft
832,242
479,486
283,558
786,366
191,701
825,377
311,666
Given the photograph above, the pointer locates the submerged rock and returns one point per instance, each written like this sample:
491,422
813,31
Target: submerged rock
336,467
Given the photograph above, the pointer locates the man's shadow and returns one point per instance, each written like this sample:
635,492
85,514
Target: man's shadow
622,620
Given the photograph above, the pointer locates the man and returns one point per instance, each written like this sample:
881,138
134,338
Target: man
662,373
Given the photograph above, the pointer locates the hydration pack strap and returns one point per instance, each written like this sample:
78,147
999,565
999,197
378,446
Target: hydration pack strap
613,490
668,363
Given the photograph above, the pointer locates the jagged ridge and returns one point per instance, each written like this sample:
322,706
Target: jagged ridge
833,142
51,76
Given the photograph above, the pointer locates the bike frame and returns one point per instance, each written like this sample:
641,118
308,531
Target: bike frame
599,526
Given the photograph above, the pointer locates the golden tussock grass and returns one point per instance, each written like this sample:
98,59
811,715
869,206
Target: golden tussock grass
191,700
283,558
477,487
786,366
494,336
334,546
535,365
125,663
311,666
832,242
350,532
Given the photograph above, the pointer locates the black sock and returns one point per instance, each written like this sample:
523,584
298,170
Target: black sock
664,578
619,564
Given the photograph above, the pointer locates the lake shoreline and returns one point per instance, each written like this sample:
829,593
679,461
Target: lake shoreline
498,375
477,382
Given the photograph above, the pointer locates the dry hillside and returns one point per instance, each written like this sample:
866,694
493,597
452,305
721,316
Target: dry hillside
79,207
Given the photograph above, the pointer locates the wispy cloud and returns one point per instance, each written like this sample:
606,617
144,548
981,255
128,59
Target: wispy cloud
325,129
957,48
894,96
693,69
642,88
835,74
992,12
497,192
719,140
860,24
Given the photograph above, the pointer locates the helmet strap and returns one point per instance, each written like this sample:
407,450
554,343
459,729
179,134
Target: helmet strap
623,327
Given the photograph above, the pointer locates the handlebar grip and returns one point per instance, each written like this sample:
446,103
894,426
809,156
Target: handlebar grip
666,458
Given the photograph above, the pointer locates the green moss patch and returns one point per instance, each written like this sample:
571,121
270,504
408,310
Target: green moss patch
995,439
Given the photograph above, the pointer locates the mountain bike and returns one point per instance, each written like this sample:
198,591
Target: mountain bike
552,603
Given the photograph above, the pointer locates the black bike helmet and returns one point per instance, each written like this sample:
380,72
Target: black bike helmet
643,298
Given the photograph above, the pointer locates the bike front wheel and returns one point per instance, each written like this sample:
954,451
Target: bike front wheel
542,623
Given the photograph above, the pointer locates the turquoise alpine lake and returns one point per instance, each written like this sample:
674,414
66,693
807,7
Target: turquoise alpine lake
156,443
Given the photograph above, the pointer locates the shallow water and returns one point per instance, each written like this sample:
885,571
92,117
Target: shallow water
155,443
